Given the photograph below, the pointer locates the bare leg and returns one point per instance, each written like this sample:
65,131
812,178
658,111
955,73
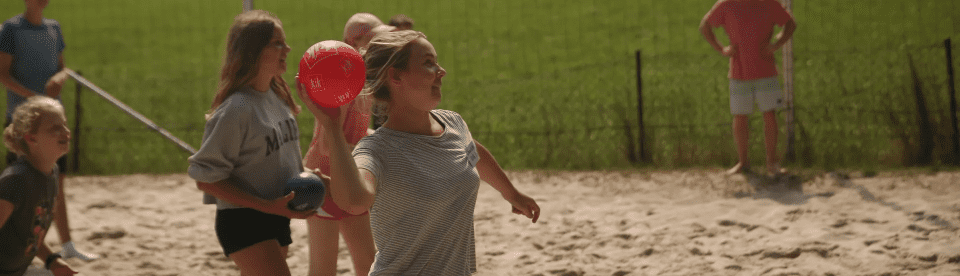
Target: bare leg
770,132
264,258
60,214
324,246
63,228
359,238
741,135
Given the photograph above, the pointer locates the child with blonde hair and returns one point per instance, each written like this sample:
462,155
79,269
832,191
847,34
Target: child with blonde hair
38,134
356,32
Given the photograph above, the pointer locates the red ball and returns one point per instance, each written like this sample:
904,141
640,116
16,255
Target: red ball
332,72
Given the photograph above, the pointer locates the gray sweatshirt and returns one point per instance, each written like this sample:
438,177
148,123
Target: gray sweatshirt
252,139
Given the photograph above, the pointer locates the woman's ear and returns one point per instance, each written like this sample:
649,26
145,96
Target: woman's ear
393,76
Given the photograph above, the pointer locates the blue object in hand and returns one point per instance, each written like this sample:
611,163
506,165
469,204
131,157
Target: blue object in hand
309,189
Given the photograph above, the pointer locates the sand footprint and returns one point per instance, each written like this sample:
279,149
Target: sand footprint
107,234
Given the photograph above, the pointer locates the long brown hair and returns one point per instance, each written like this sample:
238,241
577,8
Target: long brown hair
250,34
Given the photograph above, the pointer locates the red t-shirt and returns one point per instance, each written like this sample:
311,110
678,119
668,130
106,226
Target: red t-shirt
749,25
318,155
354,127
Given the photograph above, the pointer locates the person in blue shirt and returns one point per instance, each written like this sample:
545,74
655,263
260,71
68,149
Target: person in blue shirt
31,64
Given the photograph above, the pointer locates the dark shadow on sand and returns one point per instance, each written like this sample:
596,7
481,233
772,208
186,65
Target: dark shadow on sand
786,189
866,195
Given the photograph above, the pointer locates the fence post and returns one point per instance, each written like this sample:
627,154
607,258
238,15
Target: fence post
953,102
77,114
790,154
247,5
641,137
925,144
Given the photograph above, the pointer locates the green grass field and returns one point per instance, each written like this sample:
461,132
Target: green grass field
543,84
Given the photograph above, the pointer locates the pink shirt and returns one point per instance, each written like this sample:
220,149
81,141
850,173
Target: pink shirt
749,25
354,127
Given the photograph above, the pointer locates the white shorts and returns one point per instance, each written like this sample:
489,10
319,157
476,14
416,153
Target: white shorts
765,92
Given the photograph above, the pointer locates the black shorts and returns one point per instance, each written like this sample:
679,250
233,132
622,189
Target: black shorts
61,162
242,227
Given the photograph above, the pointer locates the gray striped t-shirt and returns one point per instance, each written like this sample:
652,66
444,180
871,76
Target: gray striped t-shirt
422,215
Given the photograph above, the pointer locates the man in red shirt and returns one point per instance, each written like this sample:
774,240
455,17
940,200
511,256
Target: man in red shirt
753,70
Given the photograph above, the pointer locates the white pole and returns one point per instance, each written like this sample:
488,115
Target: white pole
247,5
788,89
136,115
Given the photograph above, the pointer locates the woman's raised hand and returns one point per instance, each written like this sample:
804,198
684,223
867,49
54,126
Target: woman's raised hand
324,115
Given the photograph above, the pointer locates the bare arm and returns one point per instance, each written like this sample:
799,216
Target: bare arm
784,35
225,190
6,209
352,193
707,33
727,51
55,84
491,172
5,61
349,190
311,163
60,214
58,267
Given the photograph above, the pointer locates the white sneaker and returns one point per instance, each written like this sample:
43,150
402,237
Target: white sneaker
69,251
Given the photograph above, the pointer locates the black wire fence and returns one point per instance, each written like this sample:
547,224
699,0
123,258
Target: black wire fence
554,84
867,120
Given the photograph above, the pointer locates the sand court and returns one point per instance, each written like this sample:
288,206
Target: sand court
693,222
